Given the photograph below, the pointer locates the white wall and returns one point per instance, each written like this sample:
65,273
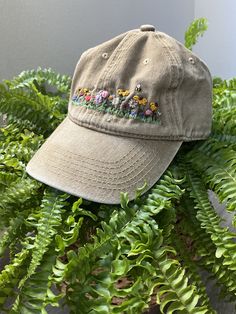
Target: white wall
218,46
52,33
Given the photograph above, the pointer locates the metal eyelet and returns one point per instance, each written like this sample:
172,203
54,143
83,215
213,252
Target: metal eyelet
191,60
105,55
146,61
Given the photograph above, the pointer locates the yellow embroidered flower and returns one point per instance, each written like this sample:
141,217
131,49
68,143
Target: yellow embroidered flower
153,106
120,92
142,101
136,98
125,93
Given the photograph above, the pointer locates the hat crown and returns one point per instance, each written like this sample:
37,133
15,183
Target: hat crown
154,87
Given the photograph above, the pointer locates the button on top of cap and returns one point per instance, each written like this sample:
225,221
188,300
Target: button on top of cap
147,28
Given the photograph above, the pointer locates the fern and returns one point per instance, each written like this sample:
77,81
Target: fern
197,28
203,250
210,221
220,169
39,77
137,248
36,293
12,232
49,221
10,276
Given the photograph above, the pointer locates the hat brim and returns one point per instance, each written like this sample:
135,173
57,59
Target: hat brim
98,166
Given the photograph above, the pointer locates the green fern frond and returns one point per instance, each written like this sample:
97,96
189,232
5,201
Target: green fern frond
6,179
224,107
41,110
39,77
210,221
20,194
12,233
11,275
203,250
36,293
218,162
196,29
187,257
175,289
50,218
129,245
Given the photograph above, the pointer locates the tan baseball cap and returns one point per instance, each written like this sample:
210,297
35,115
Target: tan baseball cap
134,100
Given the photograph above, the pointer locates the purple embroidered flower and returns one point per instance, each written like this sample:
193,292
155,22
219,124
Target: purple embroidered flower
133,113
98,99
104,94
75,97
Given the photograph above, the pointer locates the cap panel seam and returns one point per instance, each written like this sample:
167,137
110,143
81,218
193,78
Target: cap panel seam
116,56
175,81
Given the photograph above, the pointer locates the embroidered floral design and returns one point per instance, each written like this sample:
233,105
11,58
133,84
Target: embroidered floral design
122,104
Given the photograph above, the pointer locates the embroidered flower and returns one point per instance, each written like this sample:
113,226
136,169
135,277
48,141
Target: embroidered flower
87,97
116,101
136,107
133,104
98,99
119,92
148,112
83,91
104,94
142,101
133,113
153,106
136,98
125,93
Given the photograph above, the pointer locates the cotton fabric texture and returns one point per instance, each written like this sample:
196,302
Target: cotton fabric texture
134,100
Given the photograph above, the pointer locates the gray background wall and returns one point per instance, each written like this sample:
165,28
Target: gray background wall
218,45
52,33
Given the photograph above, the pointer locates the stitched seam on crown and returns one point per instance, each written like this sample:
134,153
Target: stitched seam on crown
121,174
180,79
174,77
140,136
112,66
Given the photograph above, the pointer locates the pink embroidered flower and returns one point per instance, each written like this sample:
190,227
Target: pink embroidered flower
88,98
148,112
104,94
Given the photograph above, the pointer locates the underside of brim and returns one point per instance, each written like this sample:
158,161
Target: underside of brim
98,166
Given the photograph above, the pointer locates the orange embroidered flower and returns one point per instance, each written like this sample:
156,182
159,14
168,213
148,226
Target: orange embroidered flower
142,101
